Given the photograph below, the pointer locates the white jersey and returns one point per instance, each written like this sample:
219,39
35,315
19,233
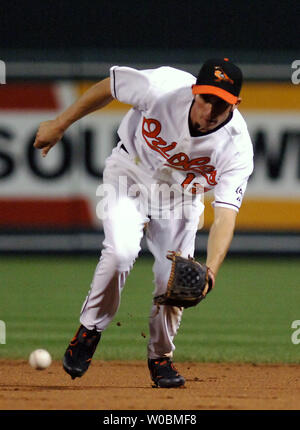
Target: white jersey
156,133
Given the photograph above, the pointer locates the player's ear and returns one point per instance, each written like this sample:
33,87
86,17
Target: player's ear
239,100
197,97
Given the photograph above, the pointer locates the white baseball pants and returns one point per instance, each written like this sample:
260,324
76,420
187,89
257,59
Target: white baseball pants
124,228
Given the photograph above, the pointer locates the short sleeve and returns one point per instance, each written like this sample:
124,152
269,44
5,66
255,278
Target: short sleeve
231,187
230,192
130,86
142,88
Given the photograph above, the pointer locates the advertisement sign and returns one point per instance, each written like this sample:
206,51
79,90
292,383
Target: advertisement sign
59,191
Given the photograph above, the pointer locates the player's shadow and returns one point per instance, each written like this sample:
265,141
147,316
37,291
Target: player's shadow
29,388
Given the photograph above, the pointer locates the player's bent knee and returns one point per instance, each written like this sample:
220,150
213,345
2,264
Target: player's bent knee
126,258
122,259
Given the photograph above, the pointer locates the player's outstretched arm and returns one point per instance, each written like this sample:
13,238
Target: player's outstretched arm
220,237
51,132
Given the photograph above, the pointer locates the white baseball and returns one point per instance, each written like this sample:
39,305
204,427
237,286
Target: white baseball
40,359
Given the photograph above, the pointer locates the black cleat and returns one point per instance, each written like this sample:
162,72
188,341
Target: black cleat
80,351
164,374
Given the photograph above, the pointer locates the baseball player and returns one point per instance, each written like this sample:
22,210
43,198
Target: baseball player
182,131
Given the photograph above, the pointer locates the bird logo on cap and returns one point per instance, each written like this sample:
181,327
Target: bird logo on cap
221,75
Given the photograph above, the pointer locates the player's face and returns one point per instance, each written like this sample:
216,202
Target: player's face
209,111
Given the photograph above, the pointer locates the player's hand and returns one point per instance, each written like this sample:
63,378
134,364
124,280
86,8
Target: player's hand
49,133
211,282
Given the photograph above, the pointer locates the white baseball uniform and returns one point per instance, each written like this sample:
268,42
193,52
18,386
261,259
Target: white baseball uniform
156,149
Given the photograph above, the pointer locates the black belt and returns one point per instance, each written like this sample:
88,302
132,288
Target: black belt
124,148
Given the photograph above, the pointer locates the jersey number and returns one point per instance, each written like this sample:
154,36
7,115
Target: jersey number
189,178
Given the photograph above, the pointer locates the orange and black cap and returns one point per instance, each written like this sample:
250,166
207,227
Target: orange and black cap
221,78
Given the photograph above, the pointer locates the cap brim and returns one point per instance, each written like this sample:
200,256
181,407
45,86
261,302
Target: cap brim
210,89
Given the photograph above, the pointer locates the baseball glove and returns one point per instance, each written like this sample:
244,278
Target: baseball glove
188,284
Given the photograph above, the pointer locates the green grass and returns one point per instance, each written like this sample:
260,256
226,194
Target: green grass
247,318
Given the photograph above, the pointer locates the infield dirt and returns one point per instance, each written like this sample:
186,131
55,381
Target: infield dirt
127,386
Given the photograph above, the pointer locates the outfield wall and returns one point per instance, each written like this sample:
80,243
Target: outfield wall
58,194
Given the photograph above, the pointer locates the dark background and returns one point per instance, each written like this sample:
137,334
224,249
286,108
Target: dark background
253,31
